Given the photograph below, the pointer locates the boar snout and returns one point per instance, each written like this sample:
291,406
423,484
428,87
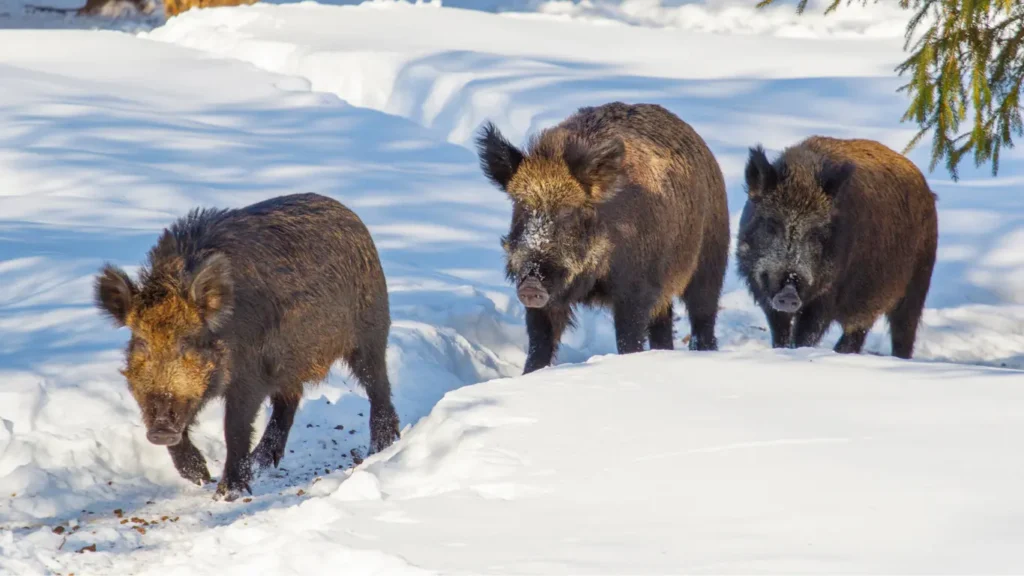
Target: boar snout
163,436
165,426
787,300
532,293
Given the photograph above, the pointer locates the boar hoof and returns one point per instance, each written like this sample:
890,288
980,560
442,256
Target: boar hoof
265,456
231,491
198,476
190,464
383,430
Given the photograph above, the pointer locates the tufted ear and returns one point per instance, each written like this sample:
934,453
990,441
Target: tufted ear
499,159
212,290
114,293
596,166
834,176
761,176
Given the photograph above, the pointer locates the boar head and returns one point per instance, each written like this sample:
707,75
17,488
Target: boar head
175,360
786,243
556,237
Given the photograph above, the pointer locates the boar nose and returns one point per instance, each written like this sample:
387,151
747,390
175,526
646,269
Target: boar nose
787,300
162,434
532,293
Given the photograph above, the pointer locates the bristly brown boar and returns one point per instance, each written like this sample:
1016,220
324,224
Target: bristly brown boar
245,304
621,206
838,230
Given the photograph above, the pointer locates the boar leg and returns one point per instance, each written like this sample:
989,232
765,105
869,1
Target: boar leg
781,326
240,408
631,319
852,341
811,324
904,318
189,460
544,327
660,330
369,366
270,450
701,298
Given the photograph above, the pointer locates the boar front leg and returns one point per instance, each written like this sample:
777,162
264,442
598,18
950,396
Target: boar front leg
781,326
240,408
544,327
632,317
189,460
811,325
270,449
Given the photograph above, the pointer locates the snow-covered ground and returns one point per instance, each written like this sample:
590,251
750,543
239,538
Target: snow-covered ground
745,460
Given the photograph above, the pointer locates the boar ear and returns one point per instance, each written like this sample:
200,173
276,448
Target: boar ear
114,293
212,290
760,174
499,159
596,166
834,176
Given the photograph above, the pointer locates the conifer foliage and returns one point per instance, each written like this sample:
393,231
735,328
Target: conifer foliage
964,66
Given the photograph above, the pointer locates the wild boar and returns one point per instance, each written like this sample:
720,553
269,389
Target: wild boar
837,230
247,304
620,206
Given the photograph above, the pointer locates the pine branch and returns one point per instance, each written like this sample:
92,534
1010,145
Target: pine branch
965,62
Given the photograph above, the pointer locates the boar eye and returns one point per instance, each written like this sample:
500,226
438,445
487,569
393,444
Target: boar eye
772,227
139,346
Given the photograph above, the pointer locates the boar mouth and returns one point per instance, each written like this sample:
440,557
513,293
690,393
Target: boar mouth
532,293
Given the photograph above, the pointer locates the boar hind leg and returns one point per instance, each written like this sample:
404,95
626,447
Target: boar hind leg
660,330
241,406
544,327
852,341
369,366
189,461
270,450
904,318
701,298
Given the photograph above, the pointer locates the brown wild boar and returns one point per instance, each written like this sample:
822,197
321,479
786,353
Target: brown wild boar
621,206
175,7
838,230
247,304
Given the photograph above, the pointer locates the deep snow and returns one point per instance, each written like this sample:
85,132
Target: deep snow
744,460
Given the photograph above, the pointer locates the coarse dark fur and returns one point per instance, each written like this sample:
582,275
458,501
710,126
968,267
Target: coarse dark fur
840,230
622,206
245,304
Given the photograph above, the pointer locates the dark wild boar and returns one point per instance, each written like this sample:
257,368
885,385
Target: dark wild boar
838,230
620,206
247,304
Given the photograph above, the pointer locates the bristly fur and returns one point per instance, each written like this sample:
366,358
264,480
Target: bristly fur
800,181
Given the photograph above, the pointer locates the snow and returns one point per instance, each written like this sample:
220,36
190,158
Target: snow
742,460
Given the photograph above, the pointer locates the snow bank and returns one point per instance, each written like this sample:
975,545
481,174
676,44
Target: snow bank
663,462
